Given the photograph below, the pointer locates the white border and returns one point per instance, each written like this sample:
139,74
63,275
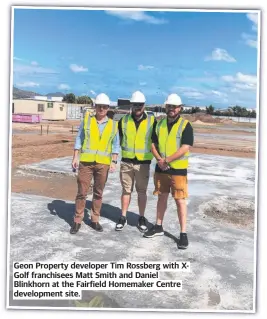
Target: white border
236,10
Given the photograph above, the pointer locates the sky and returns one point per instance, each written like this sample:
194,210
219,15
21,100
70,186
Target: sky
204,57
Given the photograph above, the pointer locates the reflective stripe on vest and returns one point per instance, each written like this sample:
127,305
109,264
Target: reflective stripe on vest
131,152
167,147
90,153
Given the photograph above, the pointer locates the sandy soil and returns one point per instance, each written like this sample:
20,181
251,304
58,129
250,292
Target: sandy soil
59,142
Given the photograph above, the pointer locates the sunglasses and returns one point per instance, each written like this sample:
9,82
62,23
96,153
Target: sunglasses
105,107
138,105
170,106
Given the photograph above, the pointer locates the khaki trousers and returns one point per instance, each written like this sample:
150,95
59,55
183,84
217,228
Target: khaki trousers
87,172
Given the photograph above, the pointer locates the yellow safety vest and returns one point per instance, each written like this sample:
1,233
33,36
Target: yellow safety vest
97,148
137,143
170,143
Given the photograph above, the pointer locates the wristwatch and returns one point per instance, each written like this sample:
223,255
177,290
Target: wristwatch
115,162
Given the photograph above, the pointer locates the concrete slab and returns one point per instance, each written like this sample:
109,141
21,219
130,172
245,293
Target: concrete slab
221,254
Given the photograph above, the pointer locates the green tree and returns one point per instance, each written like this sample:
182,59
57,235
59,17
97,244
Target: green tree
69,98
210,110
84,100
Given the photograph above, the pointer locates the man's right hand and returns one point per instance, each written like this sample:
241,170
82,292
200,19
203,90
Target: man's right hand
163,165
75,163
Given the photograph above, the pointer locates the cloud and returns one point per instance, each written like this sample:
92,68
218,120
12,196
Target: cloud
189,92
34,63
136,16
76,68
92,92
27,84
241,81
63,87
142,67
194,94
253,17
250,40
17,59
220,55
32,69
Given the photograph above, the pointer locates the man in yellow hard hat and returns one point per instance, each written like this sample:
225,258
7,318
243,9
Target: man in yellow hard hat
135,130
171,142
98,141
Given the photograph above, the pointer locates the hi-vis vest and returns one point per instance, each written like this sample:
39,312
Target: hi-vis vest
137,143
170,143
97,148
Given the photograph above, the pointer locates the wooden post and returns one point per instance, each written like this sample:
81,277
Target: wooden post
47,129
41,129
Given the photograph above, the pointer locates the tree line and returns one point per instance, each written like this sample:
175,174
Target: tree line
235,111
71,98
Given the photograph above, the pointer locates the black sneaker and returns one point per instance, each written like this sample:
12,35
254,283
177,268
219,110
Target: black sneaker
156,230
142,224
75,228
183,241
97,227
121,223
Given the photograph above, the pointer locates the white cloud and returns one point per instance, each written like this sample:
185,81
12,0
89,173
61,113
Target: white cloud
241,81
136,16
78,68
250,40
34,63
17,59
254,18
142,67
189,92
63,87
142,83
220,55
92,92
27,84
32,69
195,94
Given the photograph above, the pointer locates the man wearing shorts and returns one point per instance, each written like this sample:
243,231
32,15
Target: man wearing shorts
135,132
171,141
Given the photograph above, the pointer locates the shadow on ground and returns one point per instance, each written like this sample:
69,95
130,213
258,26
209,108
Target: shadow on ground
66,212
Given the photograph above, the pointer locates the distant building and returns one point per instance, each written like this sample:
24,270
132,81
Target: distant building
50,110
47,109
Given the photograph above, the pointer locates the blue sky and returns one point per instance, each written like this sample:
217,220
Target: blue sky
205,57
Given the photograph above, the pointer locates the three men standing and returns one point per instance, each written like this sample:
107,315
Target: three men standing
98,141
135,131
141,138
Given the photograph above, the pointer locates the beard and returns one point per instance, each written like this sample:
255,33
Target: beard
138,112
172,114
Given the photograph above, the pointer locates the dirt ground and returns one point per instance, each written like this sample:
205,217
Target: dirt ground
29,146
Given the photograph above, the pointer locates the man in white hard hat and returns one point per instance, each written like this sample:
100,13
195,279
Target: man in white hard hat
98,143
135,132
171,141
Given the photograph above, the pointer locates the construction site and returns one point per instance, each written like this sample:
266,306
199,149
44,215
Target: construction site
221,216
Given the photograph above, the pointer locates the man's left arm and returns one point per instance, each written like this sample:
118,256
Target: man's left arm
187,140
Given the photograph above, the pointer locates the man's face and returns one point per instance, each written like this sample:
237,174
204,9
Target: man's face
102,110
172,110
138,109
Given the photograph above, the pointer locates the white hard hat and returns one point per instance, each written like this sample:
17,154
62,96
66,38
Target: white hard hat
173,99
102,99
138,97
